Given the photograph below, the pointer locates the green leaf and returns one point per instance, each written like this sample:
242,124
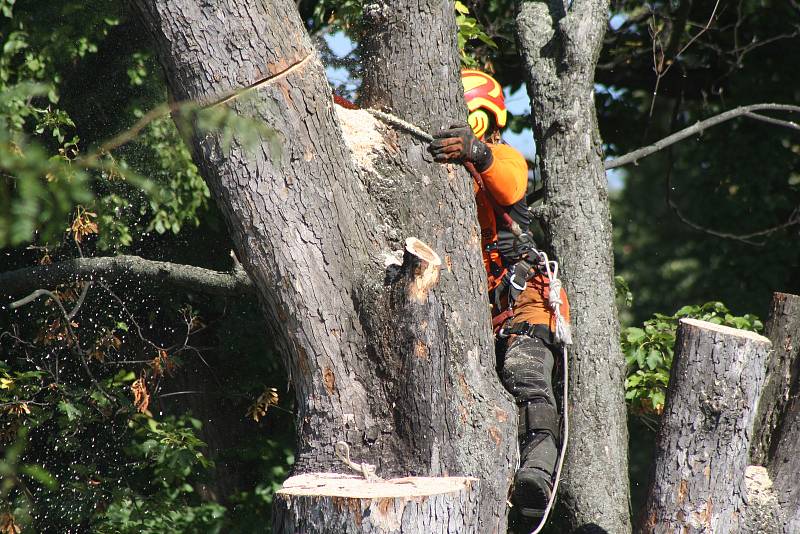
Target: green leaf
124,376
633,380
489,41
657,399
653,359
69,410
687,310
634,335
640,356
40,475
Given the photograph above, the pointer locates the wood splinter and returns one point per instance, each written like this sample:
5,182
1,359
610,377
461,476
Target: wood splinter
422,266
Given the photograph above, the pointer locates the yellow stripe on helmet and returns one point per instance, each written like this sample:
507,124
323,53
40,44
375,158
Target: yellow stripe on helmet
500,114
479,122
475,78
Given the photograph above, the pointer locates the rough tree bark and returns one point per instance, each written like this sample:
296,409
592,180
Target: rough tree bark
778,445
784,465
698,481
414,393
560,48
783,367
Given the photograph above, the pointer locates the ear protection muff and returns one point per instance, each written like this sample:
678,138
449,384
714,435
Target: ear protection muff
479,122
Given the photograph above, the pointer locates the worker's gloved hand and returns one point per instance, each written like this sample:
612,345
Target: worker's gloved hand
459,144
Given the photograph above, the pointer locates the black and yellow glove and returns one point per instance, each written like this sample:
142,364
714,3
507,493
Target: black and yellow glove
458,144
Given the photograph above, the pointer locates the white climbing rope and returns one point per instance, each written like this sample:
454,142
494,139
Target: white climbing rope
564,438
563,336
397,122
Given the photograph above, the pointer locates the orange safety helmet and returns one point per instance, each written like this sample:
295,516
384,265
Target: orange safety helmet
484,96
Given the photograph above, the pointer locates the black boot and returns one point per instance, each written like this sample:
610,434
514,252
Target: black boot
533,484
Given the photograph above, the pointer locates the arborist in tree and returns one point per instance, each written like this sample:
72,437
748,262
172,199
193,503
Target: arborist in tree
519,289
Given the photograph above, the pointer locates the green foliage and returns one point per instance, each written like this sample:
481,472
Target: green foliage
336,14
183,194
102,451
6,8
44,174
346,15
37,190
623,291
469,30
90,455
649,351
159,496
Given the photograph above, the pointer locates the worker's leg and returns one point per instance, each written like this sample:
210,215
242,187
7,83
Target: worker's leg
527,373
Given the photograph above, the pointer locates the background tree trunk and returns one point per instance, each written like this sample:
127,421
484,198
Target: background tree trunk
783,366
560,50
414,393
785,464
698,482
778,430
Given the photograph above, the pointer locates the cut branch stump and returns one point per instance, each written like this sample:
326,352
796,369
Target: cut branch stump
702,447
330,503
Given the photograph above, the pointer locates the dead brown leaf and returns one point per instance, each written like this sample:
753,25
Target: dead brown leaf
141,397
259,408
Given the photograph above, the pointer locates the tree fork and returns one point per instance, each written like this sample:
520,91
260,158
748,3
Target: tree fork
698,483
309,227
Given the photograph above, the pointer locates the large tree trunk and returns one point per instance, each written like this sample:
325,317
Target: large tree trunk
703,444
560,50
398,365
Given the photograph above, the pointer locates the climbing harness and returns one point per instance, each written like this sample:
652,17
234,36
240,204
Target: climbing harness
562,335
515,281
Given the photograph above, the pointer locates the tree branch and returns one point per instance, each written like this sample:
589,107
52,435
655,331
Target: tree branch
747,111
127,268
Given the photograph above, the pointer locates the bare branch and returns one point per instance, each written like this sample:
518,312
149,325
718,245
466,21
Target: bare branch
794,217
747,111
125,268
76,344
81,298
664,59
793,220
771,120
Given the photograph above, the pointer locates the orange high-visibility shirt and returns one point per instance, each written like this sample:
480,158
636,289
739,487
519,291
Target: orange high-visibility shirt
506,180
